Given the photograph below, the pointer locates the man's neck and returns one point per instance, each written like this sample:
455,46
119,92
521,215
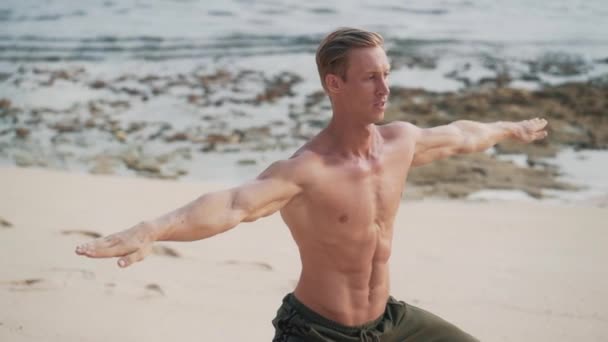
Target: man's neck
352,139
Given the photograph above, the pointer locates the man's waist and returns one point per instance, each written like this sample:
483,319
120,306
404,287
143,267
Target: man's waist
339,303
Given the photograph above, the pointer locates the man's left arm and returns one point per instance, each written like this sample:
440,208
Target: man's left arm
465,136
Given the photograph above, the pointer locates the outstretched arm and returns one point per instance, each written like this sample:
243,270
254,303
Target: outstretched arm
204,217
469,136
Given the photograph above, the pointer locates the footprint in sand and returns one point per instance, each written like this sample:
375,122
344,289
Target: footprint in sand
31,284
4,223
165,251
257,264
69,273
109,288
87,233
152,290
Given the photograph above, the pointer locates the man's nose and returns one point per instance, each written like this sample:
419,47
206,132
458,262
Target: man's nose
383,88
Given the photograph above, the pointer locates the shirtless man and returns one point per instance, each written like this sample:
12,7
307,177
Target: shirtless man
338,194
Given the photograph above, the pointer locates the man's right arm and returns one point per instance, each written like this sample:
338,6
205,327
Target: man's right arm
208,215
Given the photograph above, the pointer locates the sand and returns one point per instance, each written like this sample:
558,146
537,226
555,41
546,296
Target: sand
503,271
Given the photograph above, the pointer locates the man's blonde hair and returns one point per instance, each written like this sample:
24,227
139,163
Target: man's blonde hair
333,51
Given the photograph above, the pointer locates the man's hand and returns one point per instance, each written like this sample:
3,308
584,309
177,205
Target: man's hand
528,131
132,245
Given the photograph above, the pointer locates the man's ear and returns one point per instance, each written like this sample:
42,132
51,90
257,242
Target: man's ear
333,83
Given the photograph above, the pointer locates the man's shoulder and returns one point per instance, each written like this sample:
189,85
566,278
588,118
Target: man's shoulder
398,130
300,166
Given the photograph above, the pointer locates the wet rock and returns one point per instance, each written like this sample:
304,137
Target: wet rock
149,79
194,98
219,77
22,132
135,126
104,165
209,147
98,84
560,64
401,55
120,135
118,104
255,133
67,125
5,104
160,131
576,112
134,160
314,98
501,80
234,138
462,175
27,159
247,162
131,91
279,87
180,136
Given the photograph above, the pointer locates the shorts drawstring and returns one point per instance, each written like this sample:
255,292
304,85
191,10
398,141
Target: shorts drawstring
368,336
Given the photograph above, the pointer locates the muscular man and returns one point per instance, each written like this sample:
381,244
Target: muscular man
338,194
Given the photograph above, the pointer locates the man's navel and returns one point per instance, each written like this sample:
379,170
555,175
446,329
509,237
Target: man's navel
343,218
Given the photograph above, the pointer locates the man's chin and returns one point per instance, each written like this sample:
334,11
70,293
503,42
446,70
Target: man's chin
378,117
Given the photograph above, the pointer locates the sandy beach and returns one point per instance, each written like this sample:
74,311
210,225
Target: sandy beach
517,272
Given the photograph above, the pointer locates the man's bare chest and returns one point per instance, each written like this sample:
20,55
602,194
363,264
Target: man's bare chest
357,195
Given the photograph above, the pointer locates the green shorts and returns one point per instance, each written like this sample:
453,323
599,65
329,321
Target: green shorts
400,322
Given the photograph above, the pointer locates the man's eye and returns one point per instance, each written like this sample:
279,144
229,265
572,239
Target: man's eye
371,77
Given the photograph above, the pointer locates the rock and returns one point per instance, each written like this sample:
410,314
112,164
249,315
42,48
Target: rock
120,135
179,136
220,77
255,133
462,175
67,125
279,87
560,64
134,160
104,165
5,104
131,91
209,147
136,126
246,162
314,99
27,159
22,132
98,84
235,137
193,98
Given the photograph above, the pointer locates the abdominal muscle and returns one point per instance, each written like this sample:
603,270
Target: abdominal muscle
346,283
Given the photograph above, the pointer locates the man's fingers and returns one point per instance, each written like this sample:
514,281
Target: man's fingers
540,135
539,123
130,259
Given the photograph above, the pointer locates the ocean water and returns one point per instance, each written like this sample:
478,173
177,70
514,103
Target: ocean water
36,30
109,39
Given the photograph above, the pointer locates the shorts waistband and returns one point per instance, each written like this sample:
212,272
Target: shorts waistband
310,315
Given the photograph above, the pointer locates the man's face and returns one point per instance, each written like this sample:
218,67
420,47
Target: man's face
366,86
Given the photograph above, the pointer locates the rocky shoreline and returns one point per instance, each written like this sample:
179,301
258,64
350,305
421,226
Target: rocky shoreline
157,125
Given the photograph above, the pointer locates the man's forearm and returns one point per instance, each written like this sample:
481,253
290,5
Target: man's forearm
479,136
204,217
